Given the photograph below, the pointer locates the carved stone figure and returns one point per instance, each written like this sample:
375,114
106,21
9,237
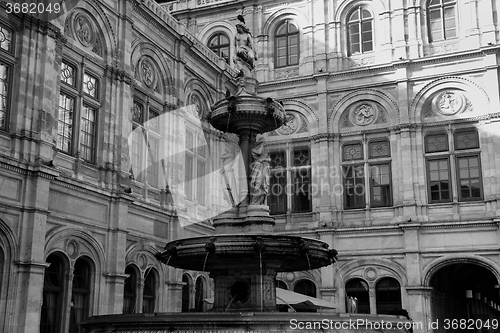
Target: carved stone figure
261,173
233,171
245,51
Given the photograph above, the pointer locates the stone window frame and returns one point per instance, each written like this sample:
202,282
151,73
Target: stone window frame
217,49
379,304
441,6
8,61
139,283
82,101
357,292
368,163
451,154
287,36
199,156
290,169
359,23
150,136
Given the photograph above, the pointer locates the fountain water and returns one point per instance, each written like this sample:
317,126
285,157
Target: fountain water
245,255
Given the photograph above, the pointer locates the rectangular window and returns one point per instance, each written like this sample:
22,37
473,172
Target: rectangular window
301,200
68,74
152,162
65,123
87,134
352,152
277,192
469,177
136,151
354,186
6,41
4,71
90,85
439,180
380,179
188,185
200,182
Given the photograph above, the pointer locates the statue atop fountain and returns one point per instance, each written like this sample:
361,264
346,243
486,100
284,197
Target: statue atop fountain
245,50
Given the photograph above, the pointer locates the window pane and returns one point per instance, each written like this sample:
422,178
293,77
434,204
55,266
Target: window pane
381,184
79,310
136,151
301,199
379,149
352,152
292,28
5,39
439,180
278,159
354,16
65,123
200,186
188,185
152,160
466,140
277,193
90,85
301,157
52,296
68,73
436,142
354,186
88,134
468,173
281,29
358,289
130,290
3,95
388,295
366,14
190,141
153,120
149,292
137,112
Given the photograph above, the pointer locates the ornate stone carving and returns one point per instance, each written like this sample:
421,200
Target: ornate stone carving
97,49
147,72
346,121
360,62
449,102
83,30
290,126
363,114
303,128
287,73
447,47
381,115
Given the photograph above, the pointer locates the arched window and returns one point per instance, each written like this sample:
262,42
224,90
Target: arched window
53,288
199,294
149,292
359,289
388,294
360,31
442,19
305,287
130,290
286,41
219,44
185,292
281,284
80,296
6,71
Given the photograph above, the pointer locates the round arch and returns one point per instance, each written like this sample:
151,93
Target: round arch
477,95
305,110
345,8
141,49
75,243
359,95
431,268
303,283
352,268
101,21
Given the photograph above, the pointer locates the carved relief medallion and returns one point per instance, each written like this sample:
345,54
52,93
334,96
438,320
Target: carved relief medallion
449,102
148,73
290,126
83,30
363,115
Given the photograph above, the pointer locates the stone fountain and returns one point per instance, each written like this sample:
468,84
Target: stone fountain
243,256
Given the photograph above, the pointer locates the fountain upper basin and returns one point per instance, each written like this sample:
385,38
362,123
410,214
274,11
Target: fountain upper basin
285,253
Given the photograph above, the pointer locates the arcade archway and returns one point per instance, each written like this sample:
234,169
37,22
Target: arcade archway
464,291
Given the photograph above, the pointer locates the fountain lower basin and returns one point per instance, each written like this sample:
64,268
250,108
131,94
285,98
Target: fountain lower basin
246,322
